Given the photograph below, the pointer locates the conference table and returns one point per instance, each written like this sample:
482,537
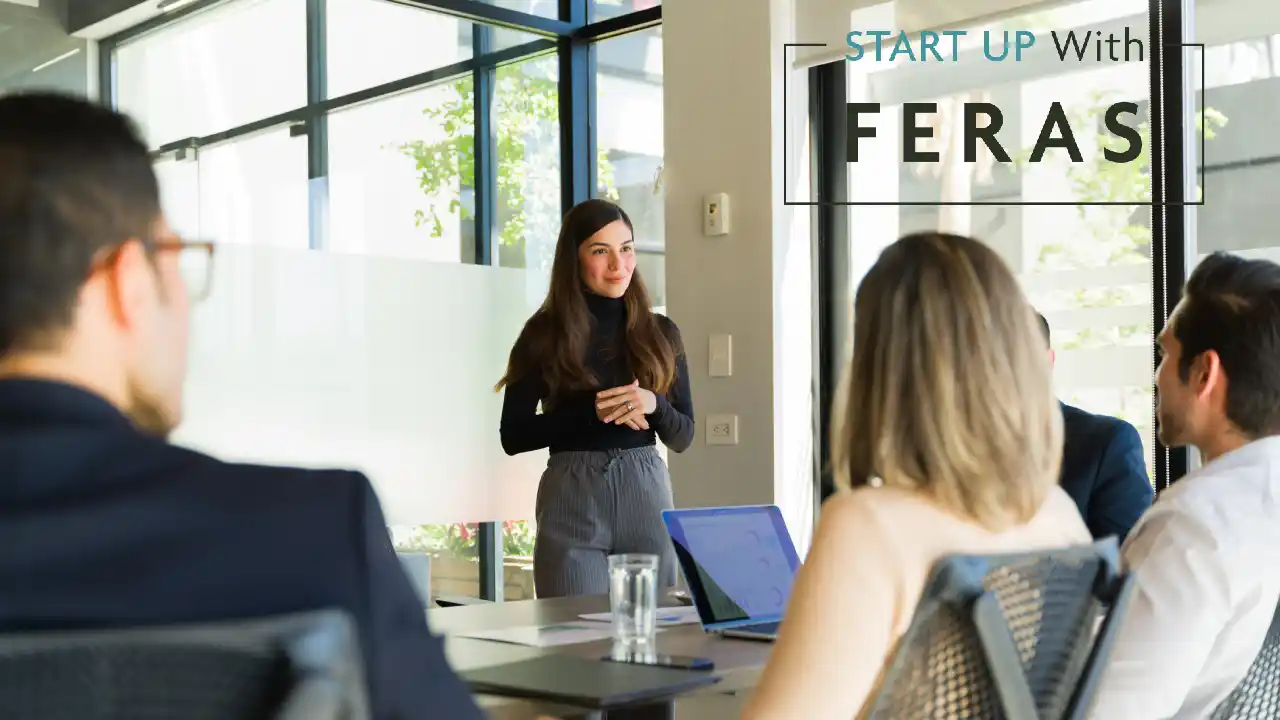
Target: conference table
737,662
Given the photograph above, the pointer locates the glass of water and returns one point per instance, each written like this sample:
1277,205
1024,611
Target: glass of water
633,596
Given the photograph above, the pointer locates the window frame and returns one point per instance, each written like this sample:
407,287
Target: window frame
570,37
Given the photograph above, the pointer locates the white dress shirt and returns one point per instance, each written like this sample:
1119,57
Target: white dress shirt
1207,561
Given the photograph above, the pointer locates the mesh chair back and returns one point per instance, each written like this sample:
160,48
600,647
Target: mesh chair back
1257,697
1006,636
285,668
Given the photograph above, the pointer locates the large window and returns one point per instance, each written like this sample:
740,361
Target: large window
629,170
527,144
358,159
408,41
223,68
1086,266
1102,247
1241,106
1238,103
400,180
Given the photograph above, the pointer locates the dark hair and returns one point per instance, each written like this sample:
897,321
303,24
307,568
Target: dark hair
554,341
1044,328
75,179
1231,306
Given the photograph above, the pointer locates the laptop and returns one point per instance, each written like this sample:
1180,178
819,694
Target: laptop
739,564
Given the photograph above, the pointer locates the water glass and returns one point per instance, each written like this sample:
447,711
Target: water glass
633,596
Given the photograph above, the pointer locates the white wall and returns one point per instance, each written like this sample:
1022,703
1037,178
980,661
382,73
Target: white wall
724,117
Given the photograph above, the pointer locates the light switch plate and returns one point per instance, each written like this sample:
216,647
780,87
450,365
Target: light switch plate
722,429
720,362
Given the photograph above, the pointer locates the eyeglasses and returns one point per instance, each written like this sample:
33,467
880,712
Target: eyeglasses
195,263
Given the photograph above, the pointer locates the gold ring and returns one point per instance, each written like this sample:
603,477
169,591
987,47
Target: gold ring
630,406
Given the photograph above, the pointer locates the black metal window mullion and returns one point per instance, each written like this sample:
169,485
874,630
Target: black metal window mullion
831,241
484,11
485,184
577,172
486,155
107,73
317,125
1168,193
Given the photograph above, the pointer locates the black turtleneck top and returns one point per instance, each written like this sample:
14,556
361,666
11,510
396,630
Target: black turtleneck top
572,423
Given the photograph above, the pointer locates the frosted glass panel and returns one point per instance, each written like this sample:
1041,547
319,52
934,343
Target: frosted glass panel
384,365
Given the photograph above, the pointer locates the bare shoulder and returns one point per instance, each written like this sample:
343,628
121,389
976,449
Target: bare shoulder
861,511
877,501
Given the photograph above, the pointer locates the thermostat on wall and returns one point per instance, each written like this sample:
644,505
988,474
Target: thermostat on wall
715,215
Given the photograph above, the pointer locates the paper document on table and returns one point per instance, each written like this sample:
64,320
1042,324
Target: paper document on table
683,615
545,635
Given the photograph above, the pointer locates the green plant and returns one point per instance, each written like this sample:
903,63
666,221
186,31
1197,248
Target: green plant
1115,233
526,122
1119,234
461,540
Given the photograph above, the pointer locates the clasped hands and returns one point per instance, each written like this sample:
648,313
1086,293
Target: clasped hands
626,405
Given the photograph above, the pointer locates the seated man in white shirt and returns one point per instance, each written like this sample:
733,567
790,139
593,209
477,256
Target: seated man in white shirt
1207,554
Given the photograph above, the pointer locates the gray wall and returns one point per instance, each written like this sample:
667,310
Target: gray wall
1242,169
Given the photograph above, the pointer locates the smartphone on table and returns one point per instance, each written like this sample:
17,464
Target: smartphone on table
681,662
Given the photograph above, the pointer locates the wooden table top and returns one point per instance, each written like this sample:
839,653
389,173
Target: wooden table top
738,662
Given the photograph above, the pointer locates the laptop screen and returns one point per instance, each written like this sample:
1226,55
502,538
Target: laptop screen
739,562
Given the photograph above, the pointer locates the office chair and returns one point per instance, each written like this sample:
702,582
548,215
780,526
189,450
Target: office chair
1008,637
1257,697
305,666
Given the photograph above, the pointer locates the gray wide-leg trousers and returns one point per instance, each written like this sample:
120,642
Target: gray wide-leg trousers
592,504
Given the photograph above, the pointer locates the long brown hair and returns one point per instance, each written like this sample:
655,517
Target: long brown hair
949,392
554,341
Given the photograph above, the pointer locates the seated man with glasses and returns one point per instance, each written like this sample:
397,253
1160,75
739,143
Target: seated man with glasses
103,523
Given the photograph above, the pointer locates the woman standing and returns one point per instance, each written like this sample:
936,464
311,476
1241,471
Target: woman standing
610,376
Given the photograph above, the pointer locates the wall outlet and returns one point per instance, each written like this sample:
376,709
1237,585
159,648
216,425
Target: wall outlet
722,429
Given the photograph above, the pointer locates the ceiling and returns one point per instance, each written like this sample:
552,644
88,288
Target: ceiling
31,36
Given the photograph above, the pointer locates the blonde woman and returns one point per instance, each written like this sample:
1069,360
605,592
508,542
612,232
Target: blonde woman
950,442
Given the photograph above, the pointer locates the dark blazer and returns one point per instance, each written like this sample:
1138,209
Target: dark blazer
102,526
1104,469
